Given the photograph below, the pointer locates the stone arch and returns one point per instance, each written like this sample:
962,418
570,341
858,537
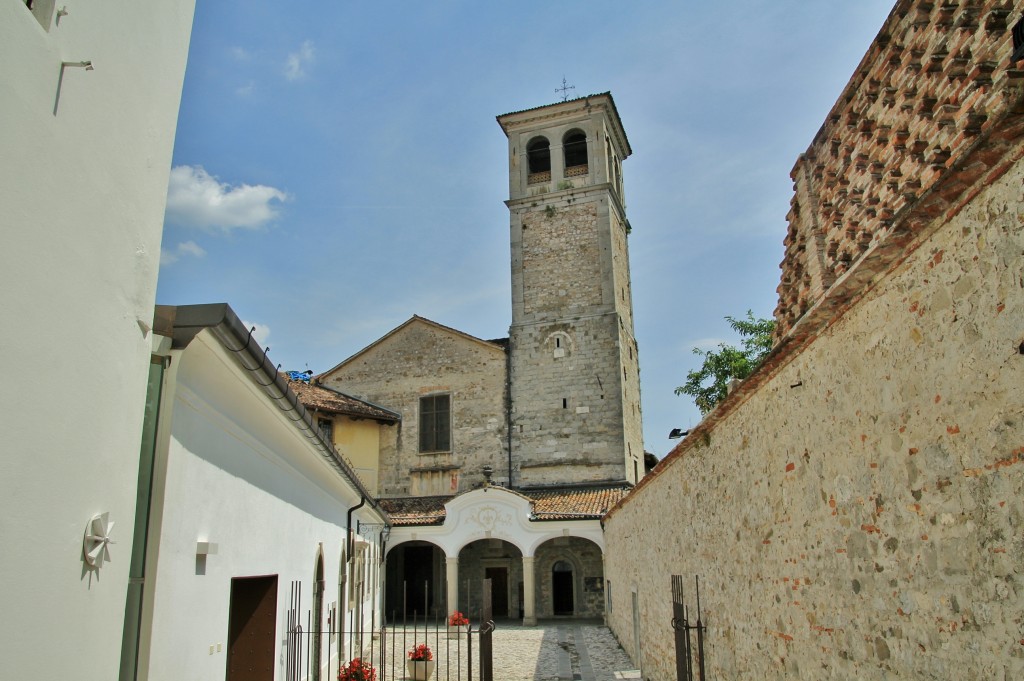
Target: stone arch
561,343
574,150
538,158
500,560
319,586
414,580
585,595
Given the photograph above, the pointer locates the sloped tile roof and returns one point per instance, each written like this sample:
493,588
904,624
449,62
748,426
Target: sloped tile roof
569,503
574,503
318,398
415,510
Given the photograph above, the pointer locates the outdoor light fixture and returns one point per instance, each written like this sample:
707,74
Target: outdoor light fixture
488,472
87,65
96,542
677,433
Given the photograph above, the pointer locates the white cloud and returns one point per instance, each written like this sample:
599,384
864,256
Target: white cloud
246,90
710,343
240,53
197,199
295,65
185,248
261,334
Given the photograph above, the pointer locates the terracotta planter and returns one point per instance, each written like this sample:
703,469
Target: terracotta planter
419,670
458,631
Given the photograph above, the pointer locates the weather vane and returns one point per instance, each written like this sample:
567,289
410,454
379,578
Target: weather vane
565,90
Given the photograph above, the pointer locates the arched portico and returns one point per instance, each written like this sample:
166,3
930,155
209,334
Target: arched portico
483,518
414,583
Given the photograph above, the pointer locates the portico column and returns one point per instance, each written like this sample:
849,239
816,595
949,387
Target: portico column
529,616
451,564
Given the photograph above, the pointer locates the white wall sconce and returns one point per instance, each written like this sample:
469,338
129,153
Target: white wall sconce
96,543
206,548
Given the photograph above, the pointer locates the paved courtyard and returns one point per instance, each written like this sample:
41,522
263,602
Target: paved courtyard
564,650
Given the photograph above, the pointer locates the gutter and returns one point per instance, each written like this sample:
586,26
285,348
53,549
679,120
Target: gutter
183,323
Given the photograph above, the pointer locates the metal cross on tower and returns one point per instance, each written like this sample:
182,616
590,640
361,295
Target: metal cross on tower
565,89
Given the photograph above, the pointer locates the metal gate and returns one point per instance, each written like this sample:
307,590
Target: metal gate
686,654
455,653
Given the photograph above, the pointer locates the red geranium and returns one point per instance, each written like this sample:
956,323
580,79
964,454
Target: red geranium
457,619
357,670
421,653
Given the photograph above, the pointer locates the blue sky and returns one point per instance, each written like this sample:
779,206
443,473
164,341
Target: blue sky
337,171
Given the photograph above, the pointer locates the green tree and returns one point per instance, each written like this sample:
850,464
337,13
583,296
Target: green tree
728,362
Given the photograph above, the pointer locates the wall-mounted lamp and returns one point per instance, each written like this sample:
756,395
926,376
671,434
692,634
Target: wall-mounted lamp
87,65
677,433
206,548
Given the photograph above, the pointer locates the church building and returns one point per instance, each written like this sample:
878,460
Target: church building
508,451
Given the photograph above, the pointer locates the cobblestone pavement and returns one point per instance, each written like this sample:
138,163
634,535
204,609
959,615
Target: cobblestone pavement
551,651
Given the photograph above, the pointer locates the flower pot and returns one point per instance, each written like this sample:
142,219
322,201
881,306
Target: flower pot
419,670
457,631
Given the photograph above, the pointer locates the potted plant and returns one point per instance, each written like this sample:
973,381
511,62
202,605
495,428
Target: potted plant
357,670
458,625
420,665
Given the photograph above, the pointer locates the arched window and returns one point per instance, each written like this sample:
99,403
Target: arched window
574,146
538,156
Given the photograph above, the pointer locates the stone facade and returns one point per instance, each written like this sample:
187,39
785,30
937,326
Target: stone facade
854,508
574,371
418,359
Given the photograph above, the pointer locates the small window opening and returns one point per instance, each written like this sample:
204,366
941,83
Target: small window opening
574,146
565,403
558,342
538,159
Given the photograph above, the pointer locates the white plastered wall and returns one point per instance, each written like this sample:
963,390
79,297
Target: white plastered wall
236,472
82,194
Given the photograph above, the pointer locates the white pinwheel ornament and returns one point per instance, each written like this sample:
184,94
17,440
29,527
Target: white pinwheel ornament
97,539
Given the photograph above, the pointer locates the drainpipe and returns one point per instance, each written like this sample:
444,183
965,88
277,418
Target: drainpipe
351,535
508,405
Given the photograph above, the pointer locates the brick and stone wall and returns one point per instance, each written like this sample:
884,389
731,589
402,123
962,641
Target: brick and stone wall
855,508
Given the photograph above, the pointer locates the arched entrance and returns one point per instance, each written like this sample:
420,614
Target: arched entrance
414,582
502,563
562,588
570,578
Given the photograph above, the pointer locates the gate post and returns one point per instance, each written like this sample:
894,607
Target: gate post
486,627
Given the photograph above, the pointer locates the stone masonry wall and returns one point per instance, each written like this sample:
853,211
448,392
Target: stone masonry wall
854,507
424,358
561,260
567,421
859,512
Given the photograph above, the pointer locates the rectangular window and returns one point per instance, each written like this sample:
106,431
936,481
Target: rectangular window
435,423
326,428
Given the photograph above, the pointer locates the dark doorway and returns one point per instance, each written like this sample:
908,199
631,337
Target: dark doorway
499,590
252,628
561,588
410,583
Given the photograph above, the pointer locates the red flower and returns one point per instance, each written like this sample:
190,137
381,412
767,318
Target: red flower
357,670
457,619
421,653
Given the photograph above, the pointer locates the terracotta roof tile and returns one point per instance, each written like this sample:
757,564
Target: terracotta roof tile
318,398
569,503
415,510
574,502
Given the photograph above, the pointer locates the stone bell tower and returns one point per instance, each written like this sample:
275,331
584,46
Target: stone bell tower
574,371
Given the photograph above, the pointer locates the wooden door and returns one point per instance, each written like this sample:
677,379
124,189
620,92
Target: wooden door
252,629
